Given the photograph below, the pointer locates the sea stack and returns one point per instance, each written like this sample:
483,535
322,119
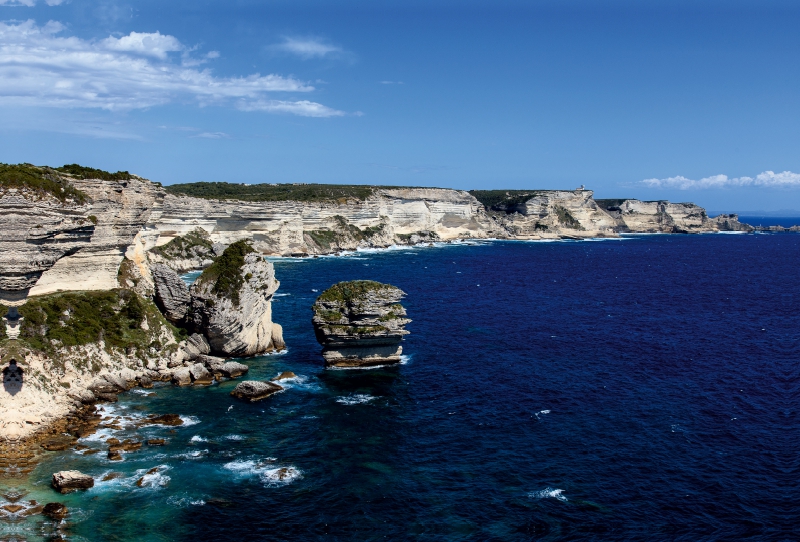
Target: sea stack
360,324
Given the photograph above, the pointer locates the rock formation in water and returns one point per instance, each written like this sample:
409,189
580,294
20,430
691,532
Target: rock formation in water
171,294
255,390
232,303
360,323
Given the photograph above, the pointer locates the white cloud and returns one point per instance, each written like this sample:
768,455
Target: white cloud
307,48
39,68
54,2
787,179
303,108
151,44
391,82
28,3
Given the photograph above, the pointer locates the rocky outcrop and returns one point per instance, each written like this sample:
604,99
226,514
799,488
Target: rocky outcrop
254,390
232,303
635,216
67,481
360,323
171,294
730,223
194,250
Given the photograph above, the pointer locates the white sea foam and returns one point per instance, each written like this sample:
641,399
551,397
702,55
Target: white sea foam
198,438
183,500
194,454
542,412
548,493
355,399
280,295
140,391
234,437
270,474
280,476
189,420
155,480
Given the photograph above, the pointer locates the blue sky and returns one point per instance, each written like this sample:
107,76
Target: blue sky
687,101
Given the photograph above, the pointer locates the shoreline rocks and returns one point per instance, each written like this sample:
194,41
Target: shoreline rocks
360,324
255,390
67,481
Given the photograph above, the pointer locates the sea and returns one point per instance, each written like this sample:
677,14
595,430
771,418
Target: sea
640,388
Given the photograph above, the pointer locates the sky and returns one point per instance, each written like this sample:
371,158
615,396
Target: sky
662,99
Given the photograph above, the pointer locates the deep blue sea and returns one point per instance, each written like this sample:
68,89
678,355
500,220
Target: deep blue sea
645,388
785,221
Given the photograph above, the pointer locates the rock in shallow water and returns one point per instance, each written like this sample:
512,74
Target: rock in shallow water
360,323
254,390
55,510
71,480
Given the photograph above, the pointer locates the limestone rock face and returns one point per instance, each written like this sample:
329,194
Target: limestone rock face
731,223
171,293
66,481
232,303
254,390
360,323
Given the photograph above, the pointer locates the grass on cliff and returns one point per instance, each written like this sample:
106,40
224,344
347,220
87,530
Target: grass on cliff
352,290
83,172
81,318
42,181
226,271
331,193
566,218
180,247
504,199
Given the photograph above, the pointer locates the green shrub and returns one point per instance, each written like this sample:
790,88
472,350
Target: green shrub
80,318
566,218
333,193
39,180
226,271
83,172
352,290
195,242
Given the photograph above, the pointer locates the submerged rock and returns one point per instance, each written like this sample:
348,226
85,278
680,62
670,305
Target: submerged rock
360,323
71,480
55,510
285,375
254,390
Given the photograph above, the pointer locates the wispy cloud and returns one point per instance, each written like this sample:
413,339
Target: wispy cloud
40,68
307,47
30,3
391,82
303,108
213,135
787,179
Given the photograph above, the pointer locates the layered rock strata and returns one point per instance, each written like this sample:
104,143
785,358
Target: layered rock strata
360,324
232,303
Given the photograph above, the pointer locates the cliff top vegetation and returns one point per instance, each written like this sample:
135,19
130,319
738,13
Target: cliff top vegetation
42,181
83,172
504,199
274,192
194,242
226,271
353,290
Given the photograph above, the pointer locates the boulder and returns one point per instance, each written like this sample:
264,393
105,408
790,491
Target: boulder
182,377
212,363
255,390
200,375
233,369
71,480
156,442
196,345
360,324
171,293
232,302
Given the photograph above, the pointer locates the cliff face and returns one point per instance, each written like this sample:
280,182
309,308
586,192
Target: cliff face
121,210
637,216
296,228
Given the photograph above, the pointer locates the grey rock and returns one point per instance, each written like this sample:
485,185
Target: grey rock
360,323
171,293
145,381
254,390
66,481
232,369
182,377
196,345
200,374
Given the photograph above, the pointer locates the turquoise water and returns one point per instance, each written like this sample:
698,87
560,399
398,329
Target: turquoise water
642,388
